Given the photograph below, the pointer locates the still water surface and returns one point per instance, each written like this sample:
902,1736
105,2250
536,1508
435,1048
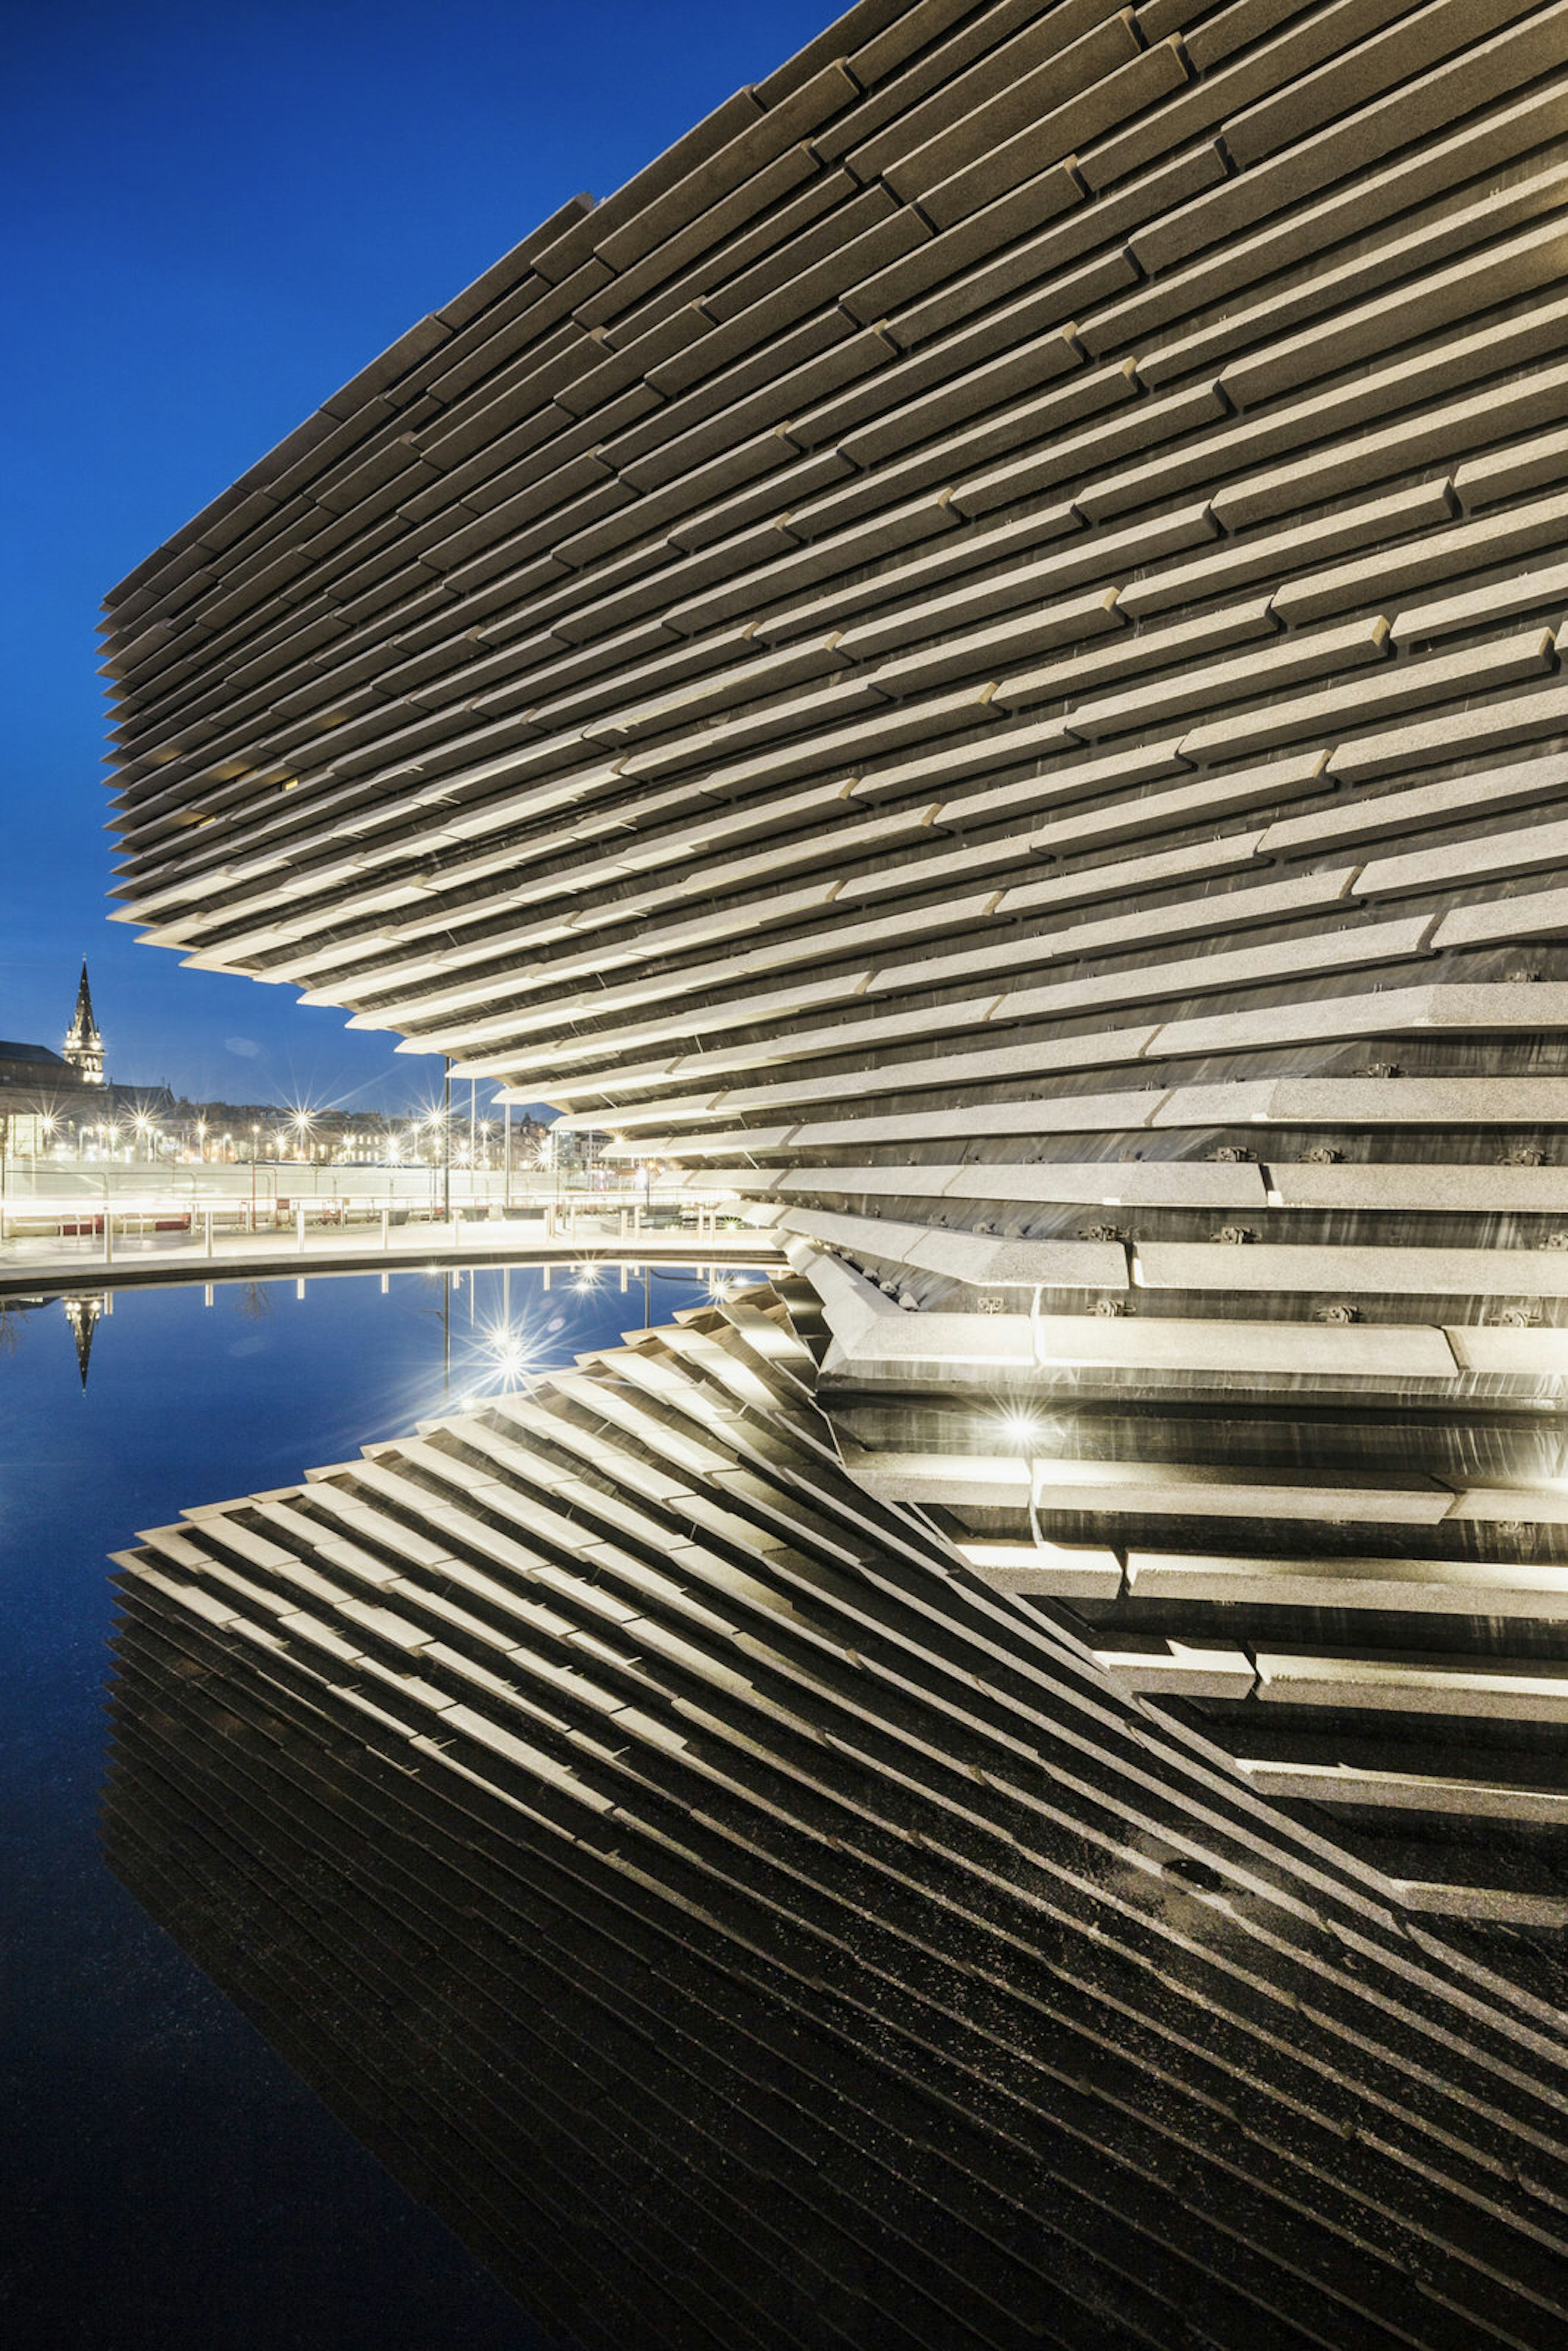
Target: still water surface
172,2186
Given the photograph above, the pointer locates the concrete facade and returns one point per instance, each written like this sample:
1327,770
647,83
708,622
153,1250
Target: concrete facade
975,655
743,1925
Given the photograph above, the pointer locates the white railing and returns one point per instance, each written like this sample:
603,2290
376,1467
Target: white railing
170,1219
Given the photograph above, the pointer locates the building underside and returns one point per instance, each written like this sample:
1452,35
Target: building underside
744,1927
972,657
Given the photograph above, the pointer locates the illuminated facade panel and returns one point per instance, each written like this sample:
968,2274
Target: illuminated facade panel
735,1919
973,660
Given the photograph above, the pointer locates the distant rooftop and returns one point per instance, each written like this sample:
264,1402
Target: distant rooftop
39,1056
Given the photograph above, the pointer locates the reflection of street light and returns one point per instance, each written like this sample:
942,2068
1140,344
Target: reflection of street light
447,1138
1024,1429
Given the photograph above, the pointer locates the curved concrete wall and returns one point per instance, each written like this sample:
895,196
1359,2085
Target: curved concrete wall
994,609
744,1927
973,657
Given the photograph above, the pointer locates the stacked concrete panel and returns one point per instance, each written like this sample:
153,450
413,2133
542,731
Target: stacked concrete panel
995,607
747,1929
972,658
973,655
1004,591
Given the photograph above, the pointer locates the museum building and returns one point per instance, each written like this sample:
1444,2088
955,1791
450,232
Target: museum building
973,656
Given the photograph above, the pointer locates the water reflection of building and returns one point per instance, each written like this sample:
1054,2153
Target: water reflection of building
731,1915
975,660
82,1314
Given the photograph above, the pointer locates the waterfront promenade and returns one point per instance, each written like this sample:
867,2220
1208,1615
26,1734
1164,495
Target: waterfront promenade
150,1241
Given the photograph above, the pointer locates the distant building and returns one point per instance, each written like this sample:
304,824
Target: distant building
49,1099
83,1045
34,1066
38,1093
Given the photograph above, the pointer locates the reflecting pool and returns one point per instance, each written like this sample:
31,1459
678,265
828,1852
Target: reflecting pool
173,2184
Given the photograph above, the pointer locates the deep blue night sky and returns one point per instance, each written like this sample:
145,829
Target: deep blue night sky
216,217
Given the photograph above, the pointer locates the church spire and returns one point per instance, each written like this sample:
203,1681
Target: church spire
82,1314
83,1046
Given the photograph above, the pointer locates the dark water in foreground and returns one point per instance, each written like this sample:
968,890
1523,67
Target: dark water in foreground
166,2184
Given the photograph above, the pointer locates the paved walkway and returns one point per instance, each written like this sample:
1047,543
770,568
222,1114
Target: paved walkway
153,1260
